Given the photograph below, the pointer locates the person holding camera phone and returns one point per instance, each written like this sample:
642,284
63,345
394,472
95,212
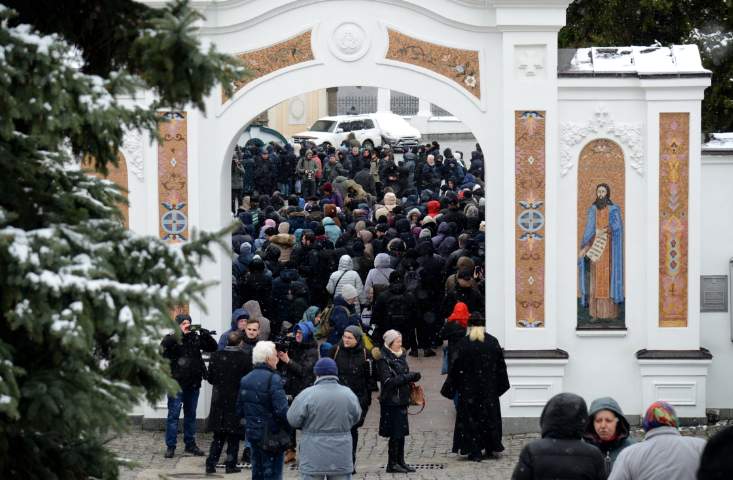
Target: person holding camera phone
297,360
188,369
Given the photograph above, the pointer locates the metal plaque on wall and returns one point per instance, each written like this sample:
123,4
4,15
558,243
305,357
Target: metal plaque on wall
714,293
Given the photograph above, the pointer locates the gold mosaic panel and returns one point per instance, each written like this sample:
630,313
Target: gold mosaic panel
461,66
173,178
267,60
602,163
529,249
119,176
674,191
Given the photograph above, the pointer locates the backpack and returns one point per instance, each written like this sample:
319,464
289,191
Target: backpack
326,326
412,280
398,312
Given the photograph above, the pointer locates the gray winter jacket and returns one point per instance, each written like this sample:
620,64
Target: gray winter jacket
326,412
346,275
663,455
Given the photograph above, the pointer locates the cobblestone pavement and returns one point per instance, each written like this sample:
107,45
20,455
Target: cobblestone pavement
422,447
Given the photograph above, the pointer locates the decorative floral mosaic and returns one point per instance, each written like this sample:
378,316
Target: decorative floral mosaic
267,60
461,66
601,283
674,190
529,176
173,178
119,176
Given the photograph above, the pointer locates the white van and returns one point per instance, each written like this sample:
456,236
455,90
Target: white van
370,129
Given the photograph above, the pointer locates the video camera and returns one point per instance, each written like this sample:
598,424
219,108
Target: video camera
197,328
285,344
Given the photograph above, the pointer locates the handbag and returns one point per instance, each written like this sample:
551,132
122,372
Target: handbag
417,397
274,443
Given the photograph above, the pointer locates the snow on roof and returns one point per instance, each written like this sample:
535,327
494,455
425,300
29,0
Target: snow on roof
632,61
718,142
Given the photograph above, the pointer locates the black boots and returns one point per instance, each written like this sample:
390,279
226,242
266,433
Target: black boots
247,455
414,352
170,451
401,456
393,450
429,352
193,448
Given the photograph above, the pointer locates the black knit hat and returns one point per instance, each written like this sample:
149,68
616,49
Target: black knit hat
184,316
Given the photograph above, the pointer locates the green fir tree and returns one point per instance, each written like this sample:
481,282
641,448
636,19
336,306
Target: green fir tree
84,302
708,23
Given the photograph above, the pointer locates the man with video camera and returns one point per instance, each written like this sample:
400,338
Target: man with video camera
298,357
188,369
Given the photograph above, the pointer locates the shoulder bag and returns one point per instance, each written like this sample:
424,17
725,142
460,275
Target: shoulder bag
274,443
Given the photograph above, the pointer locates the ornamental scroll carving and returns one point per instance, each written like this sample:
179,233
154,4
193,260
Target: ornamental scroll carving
132,142
630,134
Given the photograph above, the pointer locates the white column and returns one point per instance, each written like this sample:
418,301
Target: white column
424,109
383,100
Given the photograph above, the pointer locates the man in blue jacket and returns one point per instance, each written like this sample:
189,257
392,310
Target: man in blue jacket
256,407
239,324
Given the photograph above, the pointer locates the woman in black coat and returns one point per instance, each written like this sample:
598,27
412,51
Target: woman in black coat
395,376
226,369
356,371
479,375
297,368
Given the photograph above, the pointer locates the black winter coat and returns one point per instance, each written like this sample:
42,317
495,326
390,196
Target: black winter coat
257,286
187,366
298,373
479,375
355,372
473,300
362,265
454,333
279,302
383,320
395,377
226,369
561,453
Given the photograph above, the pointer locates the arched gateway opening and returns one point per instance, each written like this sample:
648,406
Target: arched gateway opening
344,51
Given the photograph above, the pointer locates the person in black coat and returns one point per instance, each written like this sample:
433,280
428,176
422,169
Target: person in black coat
479,376
561,453
454,215
465,293
296,368
226,369
356,371
395,376
280,296
257,285
188,369
433,282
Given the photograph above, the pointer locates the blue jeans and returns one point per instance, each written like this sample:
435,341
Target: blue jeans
189,399
285,189
264,465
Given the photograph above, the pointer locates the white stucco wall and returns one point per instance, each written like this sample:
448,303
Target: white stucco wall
717,231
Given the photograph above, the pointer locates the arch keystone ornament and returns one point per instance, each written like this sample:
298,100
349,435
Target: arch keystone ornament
349,41
461,66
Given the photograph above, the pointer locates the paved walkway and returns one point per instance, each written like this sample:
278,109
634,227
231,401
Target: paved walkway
430,443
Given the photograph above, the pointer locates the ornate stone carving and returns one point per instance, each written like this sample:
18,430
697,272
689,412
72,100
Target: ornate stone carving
571,134
132,142
349,41
630,134
267,60
461,66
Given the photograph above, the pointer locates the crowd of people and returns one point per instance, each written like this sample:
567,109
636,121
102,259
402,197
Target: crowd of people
344,264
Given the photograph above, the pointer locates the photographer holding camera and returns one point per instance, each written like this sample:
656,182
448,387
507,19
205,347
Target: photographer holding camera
188,369
297,361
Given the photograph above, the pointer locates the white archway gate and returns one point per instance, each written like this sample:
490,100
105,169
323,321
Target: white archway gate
490,63
494,64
